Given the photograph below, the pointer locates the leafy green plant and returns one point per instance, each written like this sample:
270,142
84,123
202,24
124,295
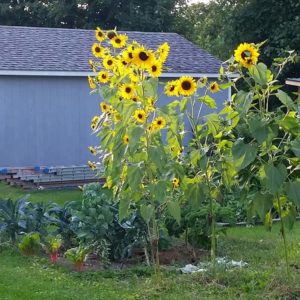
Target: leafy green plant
30,243
77,256
13,218
52,246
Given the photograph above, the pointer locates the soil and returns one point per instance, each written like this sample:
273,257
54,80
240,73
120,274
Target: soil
179,254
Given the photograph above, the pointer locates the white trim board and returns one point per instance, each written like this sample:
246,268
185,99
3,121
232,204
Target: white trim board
85,74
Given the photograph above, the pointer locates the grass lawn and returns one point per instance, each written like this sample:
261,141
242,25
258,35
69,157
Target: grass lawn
58,196
265,277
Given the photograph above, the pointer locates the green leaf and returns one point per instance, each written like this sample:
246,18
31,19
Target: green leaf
243,101
262,204
195,194
260,74
225,86
209,101
274,177
175,210
134,175
183,103
243,154
195,156
286,100
261,130
291,124
147,212
296,146
123,208
213,123
134,135
293,192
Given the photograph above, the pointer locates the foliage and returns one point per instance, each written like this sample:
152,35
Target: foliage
53,243
77,254
158,15
30,243
13,217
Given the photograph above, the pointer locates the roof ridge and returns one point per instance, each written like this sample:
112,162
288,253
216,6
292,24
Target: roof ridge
84,29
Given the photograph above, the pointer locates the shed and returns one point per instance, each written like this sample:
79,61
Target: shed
45,106
294,82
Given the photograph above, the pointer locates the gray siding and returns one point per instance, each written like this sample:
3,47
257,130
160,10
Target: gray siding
45,121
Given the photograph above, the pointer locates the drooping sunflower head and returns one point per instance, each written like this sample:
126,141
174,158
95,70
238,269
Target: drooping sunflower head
214,87
92,65
176,182
171,88
246,54
108,62
186,86
100,35
160,122
92,165
136,98
163,52
92,82
127,91
142,57
203,81
140,115
125,139
93,150
155,68
105,108
119,41
111,34
103,76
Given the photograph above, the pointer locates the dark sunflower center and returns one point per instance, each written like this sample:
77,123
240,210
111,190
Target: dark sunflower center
172,88
100,34
104,107
154,68
104,76
143,56
109,62
124,62
186,85
128,90
213,87
97,49
140,116
130,55
118,41
245,54
111,34
159,122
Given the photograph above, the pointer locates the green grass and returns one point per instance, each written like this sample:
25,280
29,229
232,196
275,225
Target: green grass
58,196
265,277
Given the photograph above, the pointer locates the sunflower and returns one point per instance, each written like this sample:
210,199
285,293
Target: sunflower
203,80
108,62
93,150
111,34
125,139
176,182
92,83
127,91
108,182
160,122
136,98
152,127
214,87
100,36
119,41
163,52
171,88
92,64
246,54
91,165
103,76
186,86
104,107
155,68
142,57
94,122
140,115
98,51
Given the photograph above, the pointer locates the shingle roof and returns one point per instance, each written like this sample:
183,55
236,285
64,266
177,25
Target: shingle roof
56,49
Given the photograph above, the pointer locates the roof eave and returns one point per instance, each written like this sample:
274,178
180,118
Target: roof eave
85,74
